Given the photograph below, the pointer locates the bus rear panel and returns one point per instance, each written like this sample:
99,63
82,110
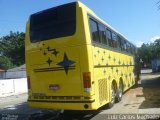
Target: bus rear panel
56,50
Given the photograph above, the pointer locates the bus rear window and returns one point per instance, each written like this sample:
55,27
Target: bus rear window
53,23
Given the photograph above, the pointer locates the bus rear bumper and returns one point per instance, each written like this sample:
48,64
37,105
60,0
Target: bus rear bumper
66,105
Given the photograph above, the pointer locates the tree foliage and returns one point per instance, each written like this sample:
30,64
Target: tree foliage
12,49
151,51
5,63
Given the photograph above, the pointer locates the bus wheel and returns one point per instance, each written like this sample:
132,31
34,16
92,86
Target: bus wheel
119,92
113,95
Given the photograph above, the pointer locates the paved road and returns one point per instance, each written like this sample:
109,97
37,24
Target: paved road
145,99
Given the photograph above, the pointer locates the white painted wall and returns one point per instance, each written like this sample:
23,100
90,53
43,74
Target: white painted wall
6,87
13,87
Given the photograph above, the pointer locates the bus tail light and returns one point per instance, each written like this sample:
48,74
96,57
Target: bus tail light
87,81
28,82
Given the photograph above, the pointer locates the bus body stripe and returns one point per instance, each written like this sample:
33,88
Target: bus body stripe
97,66
91,101
53,69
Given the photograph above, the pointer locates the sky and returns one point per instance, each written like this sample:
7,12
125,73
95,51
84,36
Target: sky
138,20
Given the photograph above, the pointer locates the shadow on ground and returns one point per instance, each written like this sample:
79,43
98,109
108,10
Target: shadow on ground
24,112
151,93
17,112
67,115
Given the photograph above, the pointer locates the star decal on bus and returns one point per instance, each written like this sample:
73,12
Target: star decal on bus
114,59
112,69
48,48
55,52
104,52
122,74
66,63
98,51
109,57
49,61
102,59
117,71
44,53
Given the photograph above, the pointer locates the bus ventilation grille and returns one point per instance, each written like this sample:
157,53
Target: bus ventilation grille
102,90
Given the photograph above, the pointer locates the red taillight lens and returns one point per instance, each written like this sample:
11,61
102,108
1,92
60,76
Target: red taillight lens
28,82
87,81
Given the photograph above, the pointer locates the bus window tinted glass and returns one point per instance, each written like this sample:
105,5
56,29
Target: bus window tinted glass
129,48
124,45
102,34
53,23
94,30
114,40
108,35
119,43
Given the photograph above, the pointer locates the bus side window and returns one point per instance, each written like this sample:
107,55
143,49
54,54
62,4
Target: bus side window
94,30
128,47
119,45
125,45
102,34
108,35
131,50
114,40
122,44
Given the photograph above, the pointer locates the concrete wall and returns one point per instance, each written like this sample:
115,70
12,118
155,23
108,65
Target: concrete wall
13,74
13,87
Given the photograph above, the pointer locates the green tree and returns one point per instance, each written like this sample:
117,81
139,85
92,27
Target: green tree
157,48
145,53
5,63
148,52
157,42
12,47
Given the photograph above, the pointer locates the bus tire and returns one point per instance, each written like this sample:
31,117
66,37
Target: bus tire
113,95
119,92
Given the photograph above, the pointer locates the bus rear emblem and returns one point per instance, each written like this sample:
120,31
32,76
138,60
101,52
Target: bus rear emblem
66,63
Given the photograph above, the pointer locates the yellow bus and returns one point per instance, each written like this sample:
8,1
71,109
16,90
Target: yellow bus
76,61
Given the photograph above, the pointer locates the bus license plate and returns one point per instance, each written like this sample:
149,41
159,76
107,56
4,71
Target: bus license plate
53,87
